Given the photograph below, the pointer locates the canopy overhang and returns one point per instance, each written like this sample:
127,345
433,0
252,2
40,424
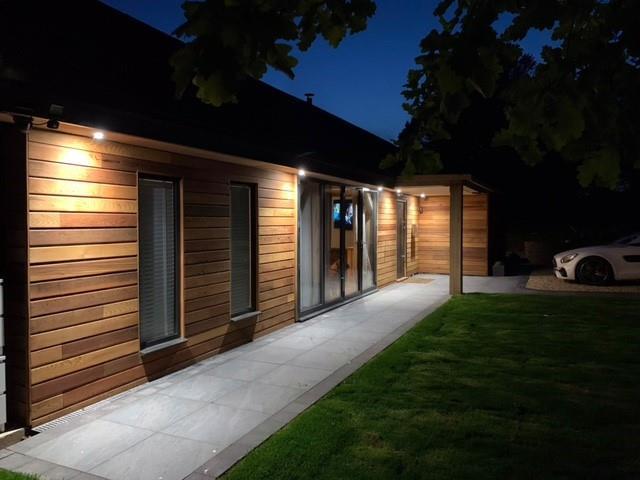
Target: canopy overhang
455,186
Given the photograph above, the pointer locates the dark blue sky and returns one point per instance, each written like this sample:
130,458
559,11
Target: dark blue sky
360,81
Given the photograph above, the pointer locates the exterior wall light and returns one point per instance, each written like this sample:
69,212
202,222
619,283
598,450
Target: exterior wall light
301,172
379,189
422,195
398,190
98,135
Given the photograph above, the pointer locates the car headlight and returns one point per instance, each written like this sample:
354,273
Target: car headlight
568,258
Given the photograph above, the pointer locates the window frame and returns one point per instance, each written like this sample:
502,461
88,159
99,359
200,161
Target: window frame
177,199
253,245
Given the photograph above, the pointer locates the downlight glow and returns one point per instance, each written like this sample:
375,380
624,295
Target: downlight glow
98,135
301,172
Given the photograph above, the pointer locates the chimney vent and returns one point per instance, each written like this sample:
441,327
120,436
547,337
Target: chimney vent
309,98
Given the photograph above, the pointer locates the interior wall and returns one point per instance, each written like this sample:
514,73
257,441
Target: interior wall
84,341
433,244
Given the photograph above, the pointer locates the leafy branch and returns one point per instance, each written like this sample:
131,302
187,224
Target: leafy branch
579,104
226,41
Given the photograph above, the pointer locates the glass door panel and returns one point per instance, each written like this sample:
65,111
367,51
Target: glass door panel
351,225
369,215
333,245
310,244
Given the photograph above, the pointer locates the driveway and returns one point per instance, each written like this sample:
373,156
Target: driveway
199,421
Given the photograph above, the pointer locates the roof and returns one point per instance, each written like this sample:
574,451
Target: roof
111,71
444,180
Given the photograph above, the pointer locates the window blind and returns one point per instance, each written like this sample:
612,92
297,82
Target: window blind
241,249
158,231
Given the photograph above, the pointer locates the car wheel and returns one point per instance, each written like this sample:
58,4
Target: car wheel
594,271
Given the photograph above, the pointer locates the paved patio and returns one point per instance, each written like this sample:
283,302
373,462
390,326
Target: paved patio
199,421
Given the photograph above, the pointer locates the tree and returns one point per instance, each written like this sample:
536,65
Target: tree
580,104
229,40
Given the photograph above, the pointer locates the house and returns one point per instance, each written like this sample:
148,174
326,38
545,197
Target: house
143,233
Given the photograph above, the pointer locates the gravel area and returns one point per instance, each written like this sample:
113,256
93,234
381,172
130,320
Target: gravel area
547,281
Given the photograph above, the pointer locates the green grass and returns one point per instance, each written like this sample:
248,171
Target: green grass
7,475
488,386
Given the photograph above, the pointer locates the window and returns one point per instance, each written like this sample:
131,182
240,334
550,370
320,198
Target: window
243,265
158,246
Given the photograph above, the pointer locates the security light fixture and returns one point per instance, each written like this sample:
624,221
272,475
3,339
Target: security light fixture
98,135
55,113
422,195
398,190
379,189
301,172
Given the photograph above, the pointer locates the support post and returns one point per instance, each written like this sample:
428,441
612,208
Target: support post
455,239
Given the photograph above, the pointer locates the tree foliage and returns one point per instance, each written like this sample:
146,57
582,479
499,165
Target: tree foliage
580,103
228,40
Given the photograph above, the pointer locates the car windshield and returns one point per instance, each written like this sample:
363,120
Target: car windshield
629,239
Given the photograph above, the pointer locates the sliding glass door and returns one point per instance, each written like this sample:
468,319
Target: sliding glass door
310,239
332,244
369,245
337,229
351,230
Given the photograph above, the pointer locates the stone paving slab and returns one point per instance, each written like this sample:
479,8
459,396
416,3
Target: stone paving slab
197,422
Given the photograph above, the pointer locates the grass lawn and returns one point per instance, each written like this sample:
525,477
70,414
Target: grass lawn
7,475
488,386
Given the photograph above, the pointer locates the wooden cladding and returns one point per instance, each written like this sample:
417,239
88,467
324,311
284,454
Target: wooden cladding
386,254
83,248
433,243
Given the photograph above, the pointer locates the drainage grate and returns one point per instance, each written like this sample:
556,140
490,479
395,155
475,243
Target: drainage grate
59,421
73,415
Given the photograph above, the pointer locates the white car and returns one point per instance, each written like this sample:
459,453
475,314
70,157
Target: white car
601,264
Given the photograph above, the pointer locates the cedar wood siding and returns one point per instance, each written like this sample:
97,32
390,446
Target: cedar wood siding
433,244
386,258
84,339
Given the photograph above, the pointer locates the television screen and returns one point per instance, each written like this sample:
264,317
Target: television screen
336,214
348,215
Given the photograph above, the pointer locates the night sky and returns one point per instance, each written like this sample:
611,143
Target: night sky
360,81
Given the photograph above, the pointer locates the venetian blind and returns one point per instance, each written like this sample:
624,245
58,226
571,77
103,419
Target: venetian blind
158,266
241,250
